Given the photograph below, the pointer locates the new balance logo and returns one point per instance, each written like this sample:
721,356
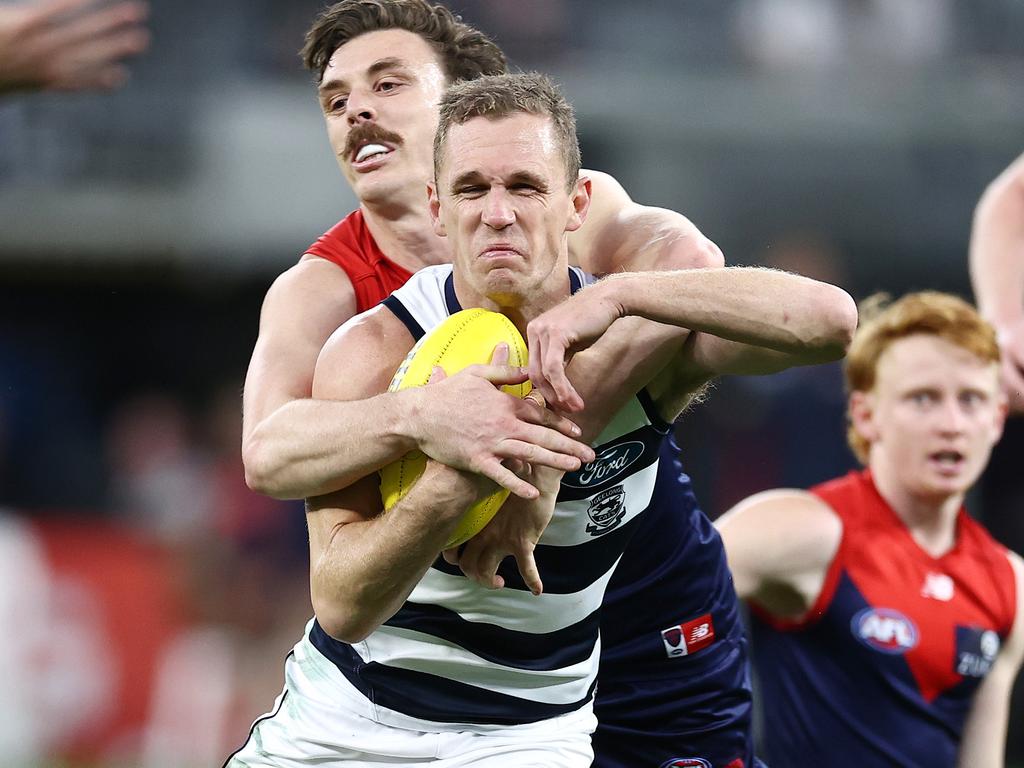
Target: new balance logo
689,637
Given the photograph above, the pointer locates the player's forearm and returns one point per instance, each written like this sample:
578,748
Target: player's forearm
996,254
368,569
312,447
779,311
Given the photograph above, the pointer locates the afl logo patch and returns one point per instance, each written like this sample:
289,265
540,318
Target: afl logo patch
885,630
610,464
606,510
686,762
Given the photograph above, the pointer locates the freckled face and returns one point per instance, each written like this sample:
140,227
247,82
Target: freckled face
933,416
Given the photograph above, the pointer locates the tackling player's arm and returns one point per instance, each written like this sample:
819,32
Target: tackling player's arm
294,446
779,545
749,320
622,235
363,562
984,738
996,259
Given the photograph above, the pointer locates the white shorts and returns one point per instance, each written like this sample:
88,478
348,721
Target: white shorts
317,722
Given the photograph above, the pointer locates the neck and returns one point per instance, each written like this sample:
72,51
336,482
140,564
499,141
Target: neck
405,235
520,305
931,520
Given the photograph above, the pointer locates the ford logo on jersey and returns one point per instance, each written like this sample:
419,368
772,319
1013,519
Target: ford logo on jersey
686,762
610,464
885,630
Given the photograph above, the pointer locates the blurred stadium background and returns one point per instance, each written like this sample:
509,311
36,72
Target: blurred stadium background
148,598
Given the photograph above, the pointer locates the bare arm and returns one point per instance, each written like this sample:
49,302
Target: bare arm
68,45
364,563
997,270
779,545
804,320
622,235
984,738
294,446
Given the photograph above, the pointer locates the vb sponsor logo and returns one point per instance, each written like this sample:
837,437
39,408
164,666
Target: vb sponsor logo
689,637
885,630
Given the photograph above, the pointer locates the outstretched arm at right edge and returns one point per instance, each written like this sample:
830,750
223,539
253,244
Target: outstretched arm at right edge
997,271
294,446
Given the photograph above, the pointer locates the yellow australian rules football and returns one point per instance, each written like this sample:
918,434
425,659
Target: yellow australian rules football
465,338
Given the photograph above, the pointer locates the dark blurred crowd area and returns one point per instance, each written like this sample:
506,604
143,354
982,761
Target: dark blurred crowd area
153,597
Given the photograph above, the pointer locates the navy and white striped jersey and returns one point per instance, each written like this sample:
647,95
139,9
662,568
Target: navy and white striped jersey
457,653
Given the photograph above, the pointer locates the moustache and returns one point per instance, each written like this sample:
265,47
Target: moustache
369,133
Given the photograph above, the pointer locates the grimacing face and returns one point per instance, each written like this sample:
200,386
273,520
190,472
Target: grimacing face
379,95
932,418
503,202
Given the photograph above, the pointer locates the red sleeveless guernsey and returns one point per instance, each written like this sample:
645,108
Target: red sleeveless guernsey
884,668
350,245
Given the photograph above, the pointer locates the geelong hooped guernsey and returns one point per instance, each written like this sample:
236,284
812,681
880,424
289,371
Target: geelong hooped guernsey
884,669
459,654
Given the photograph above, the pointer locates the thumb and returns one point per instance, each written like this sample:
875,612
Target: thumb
436,375
500,354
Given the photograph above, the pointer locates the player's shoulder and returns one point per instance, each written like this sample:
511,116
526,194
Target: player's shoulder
313,276
367,347
792,522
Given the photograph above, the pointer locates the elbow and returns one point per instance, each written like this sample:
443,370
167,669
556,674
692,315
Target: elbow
835,325
843,319
705,255
261,472
699,253
341,620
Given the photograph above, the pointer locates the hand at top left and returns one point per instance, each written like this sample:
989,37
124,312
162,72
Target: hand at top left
69,45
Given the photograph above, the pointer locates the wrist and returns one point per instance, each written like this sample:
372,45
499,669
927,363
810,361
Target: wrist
404,424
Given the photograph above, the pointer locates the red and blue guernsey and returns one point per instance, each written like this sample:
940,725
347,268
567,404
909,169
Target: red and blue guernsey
884,669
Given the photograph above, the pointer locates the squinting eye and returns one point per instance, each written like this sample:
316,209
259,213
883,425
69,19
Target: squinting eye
336,104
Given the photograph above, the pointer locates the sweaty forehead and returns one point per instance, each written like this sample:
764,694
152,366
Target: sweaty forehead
362,53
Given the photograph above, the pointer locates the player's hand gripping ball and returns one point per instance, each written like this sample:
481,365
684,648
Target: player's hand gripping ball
466,338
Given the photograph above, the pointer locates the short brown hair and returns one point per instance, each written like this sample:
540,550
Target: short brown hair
883,321
499,96
465,53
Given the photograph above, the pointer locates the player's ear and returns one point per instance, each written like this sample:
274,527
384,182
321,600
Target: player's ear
862,415
434,205
580,200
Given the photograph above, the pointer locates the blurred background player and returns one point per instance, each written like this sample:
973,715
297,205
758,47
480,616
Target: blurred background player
68,45
887,623
381,66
